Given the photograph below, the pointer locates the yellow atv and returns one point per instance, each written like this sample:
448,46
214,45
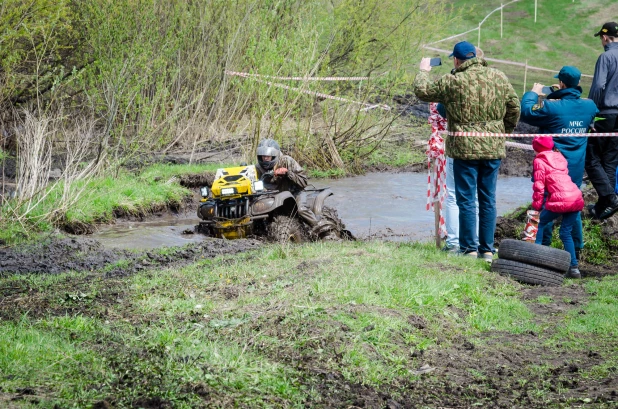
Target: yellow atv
237,206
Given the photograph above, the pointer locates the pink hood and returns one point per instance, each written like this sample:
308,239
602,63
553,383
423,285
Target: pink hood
551,175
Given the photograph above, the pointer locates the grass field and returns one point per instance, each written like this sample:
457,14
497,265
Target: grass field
319,325
562,35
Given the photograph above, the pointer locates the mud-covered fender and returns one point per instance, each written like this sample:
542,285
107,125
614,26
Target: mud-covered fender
318,201
269,203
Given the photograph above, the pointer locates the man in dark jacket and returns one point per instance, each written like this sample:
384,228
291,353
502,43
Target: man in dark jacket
602,153
563,112
477,99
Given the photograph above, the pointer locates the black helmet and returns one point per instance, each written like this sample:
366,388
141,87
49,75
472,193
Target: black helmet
268,147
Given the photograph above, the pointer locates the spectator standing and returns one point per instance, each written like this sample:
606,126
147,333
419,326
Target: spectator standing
563,112
477,99
557,195
451,209
602,153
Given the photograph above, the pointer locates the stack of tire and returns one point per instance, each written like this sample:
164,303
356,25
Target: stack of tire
531,263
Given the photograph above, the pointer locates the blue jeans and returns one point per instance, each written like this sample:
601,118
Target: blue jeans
451,210
476,178
577,233
566,229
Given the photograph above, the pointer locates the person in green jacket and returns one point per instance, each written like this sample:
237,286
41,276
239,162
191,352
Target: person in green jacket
477,99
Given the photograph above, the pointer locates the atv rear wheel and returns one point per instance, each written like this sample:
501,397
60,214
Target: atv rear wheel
284,229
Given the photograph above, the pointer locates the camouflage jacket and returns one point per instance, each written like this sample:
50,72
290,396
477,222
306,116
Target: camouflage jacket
477,99
294,181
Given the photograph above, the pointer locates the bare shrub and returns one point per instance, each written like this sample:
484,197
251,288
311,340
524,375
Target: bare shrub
72,143
34,154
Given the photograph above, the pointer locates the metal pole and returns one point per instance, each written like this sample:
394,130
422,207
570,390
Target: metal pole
525,75
501,18
478,43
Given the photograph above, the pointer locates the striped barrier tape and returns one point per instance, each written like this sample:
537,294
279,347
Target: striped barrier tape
532,135
247,75
367,107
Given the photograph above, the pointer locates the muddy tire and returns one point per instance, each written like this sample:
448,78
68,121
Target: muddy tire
527,274
535,255
285,229
330,214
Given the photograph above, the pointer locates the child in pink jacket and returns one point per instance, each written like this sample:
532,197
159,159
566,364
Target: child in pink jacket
553,184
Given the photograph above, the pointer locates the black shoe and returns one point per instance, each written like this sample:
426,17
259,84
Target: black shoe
609,209
573,273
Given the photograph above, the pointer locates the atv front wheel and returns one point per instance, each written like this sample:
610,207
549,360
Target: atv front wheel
285,229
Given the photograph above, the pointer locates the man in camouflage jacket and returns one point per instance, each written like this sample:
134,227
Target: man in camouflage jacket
285,174
477,99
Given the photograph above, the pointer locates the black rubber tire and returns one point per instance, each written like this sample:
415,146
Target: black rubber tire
284,229
535,255
527,274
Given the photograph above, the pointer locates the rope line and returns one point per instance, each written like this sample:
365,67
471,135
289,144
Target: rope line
367,106
248,75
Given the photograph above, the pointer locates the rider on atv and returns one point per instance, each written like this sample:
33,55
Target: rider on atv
283,173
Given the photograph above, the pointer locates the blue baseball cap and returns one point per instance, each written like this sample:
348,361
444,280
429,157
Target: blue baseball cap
569,75
463,51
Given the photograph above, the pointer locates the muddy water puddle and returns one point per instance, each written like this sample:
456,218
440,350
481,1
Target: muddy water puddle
392,206
378,205
166,231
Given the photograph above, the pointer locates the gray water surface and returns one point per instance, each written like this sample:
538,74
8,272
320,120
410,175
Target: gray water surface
390,206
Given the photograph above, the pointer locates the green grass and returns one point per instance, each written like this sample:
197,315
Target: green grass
562,35
244,329
328,173
598,249
188,316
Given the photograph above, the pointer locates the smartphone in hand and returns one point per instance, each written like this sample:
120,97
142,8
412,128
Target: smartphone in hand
434,62
548,90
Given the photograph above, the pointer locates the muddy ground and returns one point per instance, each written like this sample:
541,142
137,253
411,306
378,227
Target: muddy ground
83,254
492,371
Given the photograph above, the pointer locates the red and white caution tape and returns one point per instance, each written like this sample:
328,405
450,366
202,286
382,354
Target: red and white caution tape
367,107
532,135
436,175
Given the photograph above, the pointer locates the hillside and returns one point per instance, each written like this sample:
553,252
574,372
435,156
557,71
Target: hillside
562,35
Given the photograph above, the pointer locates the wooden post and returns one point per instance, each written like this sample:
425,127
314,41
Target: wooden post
436,209
525,75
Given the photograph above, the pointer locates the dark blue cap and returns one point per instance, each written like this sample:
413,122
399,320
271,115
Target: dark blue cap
463,51
569,75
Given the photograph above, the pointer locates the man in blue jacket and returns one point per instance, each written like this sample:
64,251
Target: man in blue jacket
602,153
563,112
